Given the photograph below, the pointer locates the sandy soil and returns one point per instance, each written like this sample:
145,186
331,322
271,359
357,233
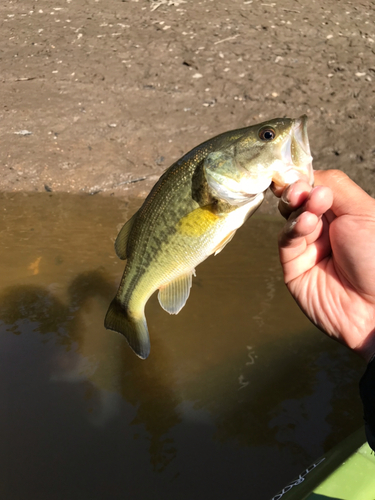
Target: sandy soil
103,95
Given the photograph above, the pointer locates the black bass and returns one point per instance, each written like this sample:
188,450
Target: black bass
194,210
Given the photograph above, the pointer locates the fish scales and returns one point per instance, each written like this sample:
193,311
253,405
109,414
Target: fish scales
144,242
194,210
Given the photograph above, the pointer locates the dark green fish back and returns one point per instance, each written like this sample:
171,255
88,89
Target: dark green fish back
181,189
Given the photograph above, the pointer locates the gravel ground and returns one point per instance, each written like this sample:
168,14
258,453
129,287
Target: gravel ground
103,95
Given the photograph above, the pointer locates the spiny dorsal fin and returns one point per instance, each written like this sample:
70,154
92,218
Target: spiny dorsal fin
122,238
173,296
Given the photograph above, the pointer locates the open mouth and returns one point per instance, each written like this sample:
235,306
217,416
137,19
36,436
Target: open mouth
300,134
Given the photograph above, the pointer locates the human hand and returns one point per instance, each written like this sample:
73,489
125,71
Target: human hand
327,251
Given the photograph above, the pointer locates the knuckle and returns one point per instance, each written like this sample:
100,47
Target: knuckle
334,175
339,175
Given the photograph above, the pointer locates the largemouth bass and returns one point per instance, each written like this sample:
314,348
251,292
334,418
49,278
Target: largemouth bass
194,210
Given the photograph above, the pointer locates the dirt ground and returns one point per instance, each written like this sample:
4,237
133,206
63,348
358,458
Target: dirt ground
100,96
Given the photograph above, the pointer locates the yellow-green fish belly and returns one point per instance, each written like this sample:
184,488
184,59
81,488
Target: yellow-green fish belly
196,236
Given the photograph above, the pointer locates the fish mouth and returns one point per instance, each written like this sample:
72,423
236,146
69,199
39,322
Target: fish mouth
296,155
299,130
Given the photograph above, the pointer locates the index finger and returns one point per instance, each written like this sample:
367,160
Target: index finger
293,197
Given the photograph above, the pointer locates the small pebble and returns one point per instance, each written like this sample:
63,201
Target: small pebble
23,132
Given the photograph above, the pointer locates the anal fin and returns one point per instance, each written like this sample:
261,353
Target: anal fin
173,296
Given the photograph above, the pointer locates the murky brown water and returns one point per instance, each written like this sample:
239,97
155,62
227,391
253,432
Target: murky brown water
239,394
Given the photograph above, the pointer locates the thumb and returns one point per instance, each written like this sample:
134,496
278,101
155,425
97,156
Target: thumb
348,197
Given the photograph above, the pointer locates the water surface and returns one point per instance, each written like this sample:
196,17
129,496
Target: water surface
239,395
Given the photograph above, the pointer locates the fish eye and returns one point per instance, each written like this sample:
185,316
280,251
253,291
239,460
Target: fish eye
267,134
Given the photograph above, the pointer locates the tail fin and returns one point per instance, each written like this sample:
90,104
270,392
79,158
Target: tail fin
135,331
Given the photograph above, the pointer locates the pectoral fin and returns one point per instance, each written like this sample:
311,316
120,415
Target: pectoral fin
173,296
122,238
225,242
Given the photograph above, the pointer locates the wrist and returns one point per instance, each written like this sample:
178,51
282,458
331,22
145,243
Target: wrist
367,348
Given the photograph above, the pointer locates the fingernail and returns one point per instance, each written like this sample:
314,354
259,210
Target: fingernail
290,225
284,196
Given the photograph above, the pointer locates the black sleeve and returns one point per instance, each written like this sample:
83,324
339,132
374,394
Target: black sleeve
367,392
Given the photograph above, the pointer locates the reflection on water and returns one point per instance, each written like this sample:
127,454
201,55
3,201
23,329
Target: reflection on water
240,392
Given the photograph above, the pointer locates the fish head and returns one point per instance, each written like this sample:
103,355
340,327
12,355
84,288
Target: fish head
275,151
295,160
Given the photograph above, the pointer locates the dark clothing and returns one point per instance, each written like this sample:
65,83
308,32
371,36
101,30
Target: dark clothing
367,391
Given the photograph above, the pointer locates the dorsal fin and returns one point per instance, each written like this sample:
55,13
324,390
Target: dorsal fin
122,238
173,296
